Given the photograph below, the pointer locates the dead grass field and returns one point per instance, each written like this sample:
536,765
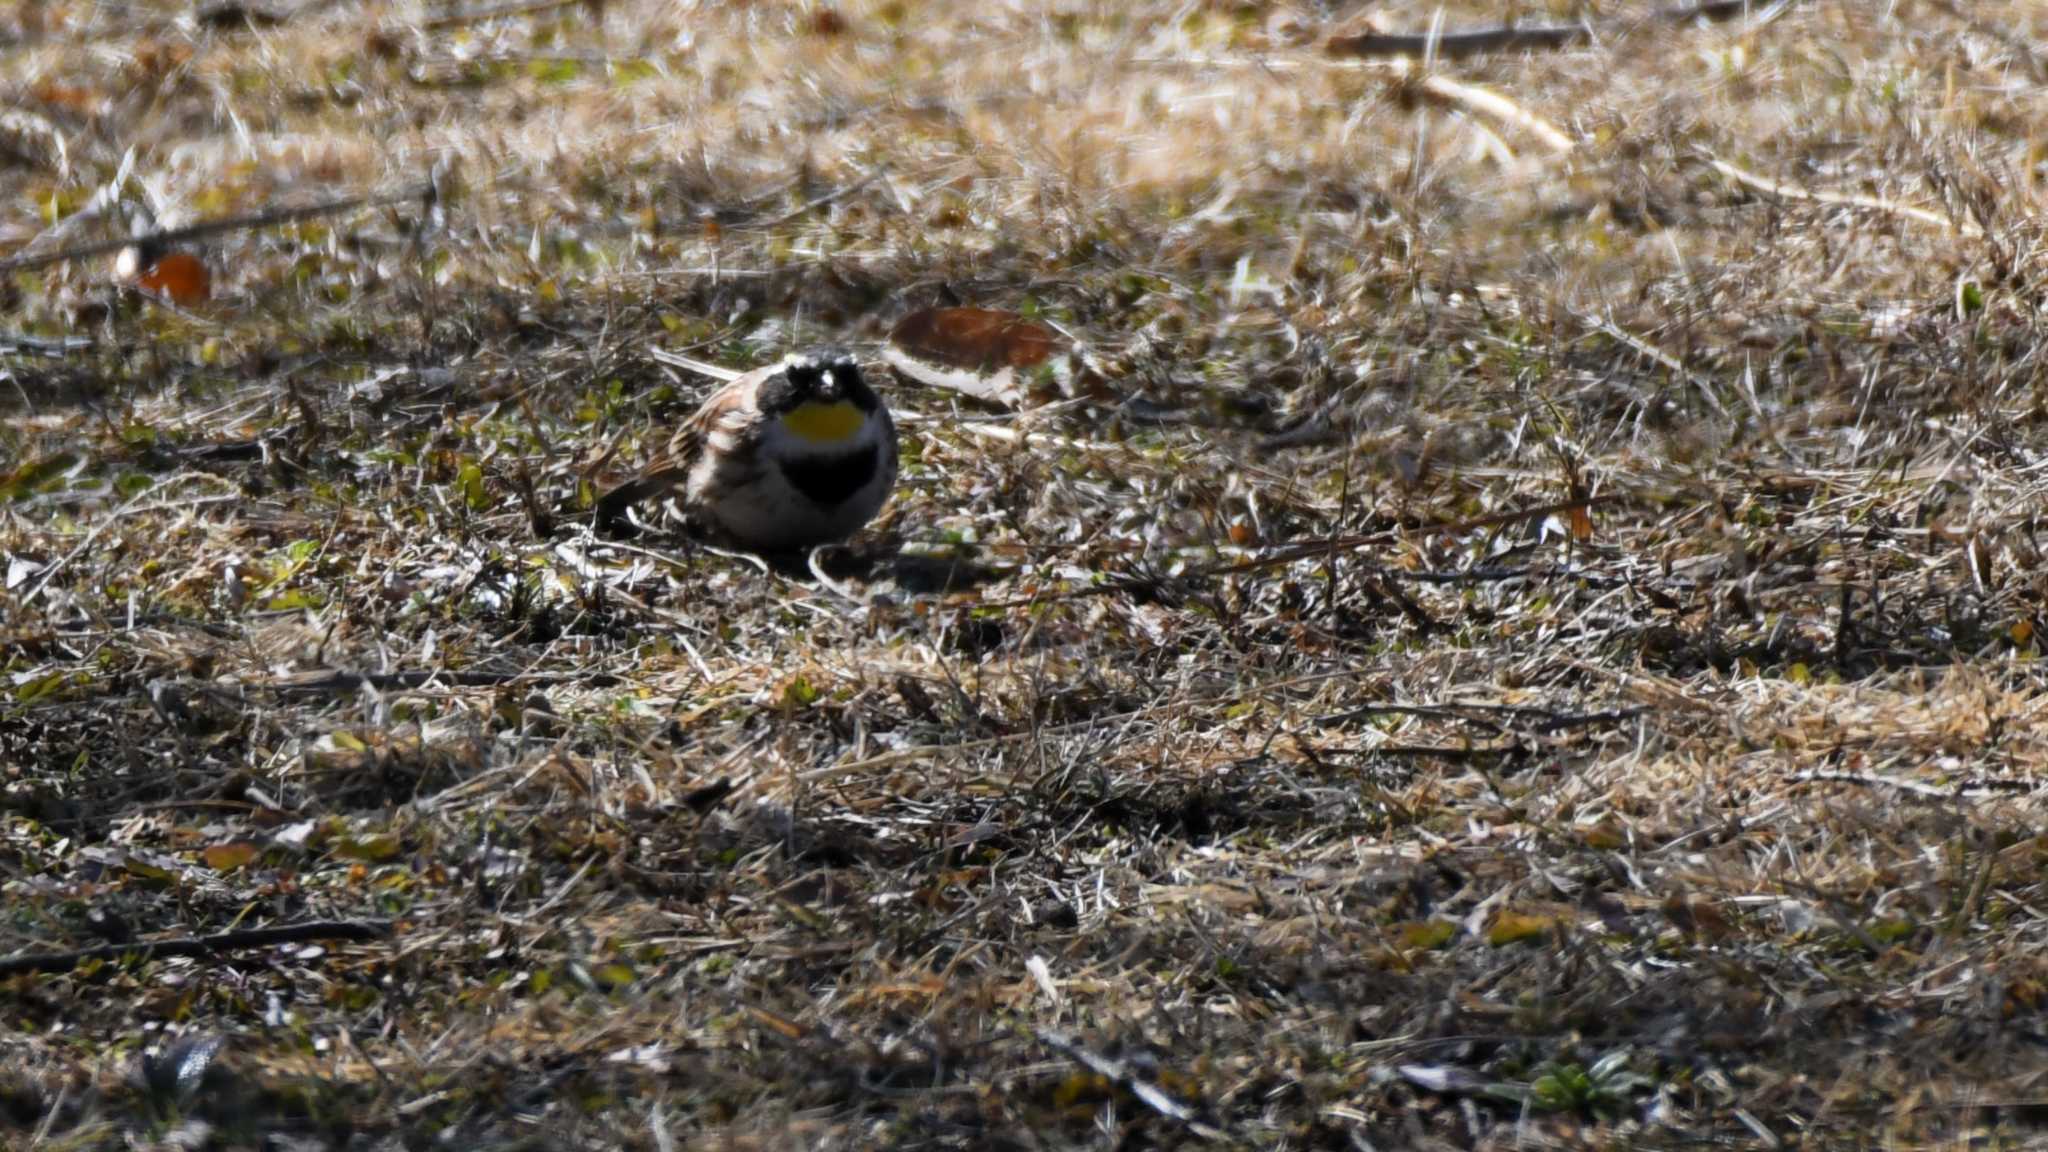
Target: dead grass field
1240,763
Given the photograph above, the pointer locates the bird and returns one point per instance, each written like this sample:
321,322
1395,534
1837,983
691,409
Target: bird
787,457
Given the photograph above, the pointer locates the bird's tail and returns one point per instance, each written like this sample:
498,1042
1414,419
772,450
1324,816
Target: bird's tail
611,507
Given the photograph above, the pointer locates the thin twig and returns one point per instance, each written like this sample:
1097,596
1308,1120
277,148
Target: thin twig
199,945
1486,102
1478,751
462,16
1424,711
1457,45
810,206
718,372
1478,41
50,1117
335,680
1547,720
1661,358
267,219
1973,788
1764,184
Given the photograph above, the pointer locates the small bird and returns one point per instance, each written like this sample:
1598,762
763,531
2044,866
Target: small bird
783,458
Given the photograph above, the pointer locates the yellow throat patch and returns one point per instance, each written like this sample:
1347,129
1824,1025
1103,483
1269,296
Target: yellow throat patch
825,423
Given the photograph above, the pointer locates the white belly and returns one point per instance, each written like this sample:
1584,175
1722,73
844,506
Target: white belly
770,515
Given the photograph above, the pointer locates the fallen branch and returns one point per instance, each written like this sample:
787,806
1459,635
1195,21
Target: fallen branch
1974,788
1488,103
1458,45
12,342
462,16
1546,720
1479,41
1453,753
340,681
169,236
199,945
1768,186
1423,711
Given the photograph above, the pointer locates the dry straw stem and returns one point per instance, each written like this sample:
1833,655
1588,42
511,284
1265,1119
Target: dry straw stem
1440,89
1783,191
1488,103
201,946
1020,437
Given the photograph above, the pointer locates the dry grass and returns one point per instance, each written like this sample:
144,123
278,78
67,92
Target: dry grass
1106,814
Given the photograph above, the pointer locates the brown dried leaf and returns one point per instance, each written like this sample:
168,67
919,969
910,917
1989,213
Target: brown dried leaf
981,352
229,856
1512,927
179,277
1696,915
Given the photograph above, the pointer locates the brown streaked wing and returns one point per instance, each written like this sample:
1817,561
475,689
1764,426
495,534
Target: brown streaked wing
728,407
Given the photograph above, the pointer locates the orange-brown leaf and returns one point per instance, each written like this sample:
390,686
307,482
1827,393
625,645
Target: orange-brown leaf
978,339
229,856
982,352
179,277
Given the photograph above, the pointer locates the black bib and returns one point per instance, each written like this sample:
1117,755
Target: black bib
830,480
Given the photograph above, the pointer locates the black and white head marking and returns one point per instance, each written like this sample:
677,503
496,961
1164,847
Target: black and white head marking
823,375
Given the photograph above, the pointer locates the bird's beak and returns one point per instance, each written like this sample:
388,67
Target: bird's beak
828,387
